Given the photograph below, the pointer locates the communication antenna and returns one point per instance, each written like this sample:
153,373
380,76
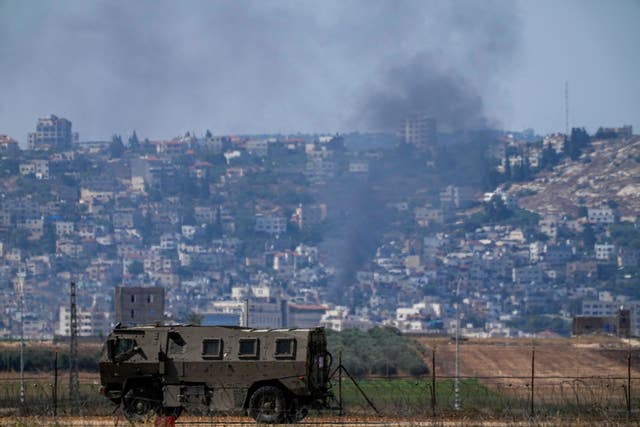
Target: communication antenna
74,382
566,107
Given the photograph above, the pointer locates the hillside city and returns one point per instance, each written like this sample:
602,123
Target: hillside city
514,233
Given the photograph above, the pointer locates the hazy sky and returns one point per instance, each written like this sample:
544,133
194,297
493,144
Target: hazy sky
167,67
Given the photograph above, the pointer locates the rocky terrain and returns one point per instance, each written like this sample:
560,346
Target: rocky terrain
607,170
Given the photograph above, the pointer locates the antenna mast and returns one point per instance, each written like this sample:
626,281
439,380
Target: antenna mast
566,107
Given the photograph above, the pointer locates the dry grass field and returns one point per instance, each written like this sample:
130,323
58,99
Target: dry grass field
562,357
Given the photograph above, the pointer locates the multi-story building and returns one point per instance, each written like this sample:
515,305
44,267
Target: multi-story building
271,224
37,167
601,215
418,129
8,146
52,132
305,315
458,197
599,308
139,305
90,322
604,251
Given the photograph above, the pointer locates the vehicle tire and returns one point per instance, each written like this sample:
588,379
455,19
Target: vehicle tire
296,411
267,405
140,404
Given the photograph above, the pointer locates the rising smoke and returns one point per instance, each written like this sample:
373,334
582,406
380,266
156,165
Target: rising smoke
165,67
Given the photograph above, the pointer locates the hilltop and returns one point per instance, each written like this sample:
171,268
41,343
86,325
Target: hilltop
607,171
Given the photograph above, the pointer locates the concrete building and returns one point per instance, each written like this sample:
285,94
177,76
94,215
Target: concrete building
305,315
37,167
418,129
91,323
271,224
139,305
601,215
457,197
52,132
307,216
604,251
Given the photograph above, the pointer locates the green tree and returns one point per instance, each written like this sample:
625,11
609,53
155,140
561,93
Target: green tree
49,237
135,268
576,143
588,237
134,142
116,147
495,209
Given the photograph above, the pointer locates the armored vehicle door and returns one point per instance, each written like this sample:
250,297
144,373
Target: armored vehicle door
134,352
175,354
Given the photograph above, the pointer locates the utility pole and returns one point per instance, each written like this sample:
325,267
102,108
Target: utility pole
74,382
21,276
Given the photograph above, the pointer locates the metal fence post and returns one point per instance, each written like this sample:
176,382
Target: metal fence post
629,384
533,374
340,382
55,384
433,382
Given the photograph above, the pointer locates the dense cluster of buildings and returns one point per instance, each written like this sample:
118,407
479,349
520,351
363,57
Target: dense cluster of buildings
229,230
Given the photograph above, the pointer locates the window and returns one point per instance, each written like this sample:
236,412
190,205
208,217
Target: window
133,298
212,348
248,348
285,347
120,347
150,298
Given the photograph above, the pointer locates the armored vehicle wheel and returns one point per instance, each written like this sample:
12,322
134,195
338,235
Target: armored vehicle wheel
267,405
139,404
296,411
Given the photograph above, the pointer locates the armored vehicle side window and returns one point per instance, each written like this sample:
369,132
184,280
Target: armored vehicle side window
248,348
285,348
120,346
212,348
176,343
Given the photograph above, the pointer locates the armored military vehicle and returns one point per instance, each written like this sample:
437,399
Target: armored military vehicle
276,375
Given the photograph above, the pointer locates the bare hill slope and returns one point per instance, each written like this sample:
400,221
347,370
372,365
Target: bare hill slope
607,170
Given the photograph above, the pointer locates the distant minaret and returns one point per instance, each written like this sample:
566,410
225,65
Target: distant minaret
566,107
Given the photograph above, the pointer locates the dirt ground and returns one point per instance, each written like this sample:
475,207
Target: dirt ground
562,357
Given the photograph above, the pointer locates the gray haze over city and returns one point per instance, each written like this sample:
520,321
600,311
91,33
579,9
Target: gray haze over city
164,68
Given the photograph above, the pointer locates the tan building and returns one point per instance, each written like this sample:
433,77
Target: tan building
139,305
52,132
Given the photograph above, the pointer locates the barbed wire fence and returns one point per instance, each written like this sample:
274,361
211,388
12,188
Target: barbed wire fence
433,396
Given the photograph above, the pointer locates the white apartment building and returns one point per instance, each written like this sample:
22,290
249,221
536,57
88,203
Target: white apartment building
601,215
604,251
90,322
